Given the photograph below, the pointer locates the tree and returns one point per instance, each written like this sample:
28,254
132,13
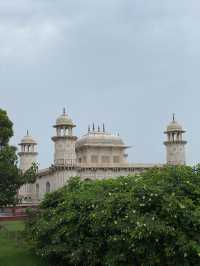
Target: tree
11,178
6,129
150,219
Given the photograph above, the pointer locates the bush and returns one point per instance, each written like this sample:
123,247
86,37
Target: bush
151,219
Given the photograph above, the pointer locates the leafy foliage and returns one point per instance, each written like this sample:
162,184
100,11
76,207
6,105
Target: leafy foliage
11,178
30,176
6,131
148,219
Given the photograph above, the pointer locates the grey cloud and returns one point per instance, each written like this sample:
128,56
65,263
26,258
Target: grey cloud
128,63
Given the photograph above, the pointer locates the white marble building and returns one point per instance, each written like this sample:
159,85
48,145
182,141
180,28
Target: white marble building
96,155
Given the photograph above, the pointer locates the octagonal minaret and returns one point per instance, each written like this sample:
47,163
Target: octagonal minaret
64,140
28,154
175,145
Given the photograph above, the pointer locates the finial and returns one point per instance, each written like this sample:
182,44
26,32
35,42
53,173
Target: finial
99,129
104,130
27,133
88,128
173,117
64,111
93,127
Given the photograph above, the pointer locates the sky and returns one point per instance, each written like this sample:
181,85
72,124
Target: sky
127,63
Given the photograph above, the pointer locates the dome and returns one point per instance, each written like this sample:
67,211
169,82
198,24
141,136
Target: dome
64,120
174,126
100,139
28,140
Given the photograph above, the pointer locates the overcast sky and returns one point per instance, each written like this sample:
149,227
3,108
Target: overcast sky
127,63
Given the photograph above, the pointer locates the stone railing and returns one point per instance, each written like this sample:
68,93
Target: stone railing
116,165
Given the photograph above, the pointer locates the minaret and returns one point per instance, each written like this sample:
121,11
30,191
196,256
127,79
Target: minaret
64,141
175,145
28,154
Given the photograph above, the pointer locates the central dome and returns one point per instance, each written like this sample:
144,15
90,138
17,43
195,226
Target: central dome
100,139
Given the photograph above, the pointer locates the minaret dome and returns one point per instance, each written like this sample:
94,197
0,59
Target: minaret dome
64,120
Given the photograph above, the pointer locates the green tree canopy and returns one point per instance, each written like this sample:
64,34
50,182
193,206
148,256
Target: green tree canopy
147,219
11,178
6,128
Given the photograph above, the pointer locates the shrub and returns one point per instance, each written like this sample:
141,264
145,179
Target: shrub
147,219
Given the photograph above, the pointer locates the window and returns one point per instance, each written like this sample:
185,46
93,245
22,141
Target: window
48,187
116,159
94,159
105,159
87,179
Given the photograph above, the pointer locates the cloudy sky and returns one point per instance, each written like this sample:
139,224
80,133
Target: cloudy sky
127,63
